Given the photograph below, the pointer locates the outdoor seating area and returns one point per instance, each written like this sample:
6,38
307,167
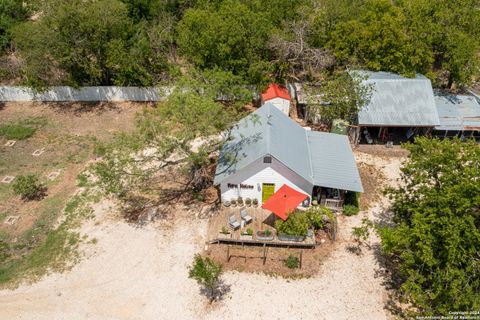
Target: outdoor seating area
251,225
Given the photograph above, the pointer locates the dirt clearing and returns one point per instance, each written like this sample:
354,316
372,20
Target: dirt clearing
141,273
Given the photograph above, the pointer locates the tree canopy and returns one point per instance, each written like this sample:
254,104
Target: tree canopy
11,12
435,240
145,42
182,133
91,43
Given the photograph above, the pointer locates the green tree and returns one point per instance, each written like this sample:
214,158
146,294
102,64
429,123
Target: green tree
340,96
89,43
181,133
376,39
446,34
436,235
12,12
232,37
207,273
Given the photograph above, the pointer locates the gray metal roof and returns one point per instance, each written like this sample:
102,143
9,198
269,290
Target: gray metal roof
269,131
458,112
333,163
398,101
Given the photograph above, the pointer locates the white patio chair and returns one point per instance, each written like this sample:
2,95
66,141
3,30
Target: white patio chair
245,216
233,223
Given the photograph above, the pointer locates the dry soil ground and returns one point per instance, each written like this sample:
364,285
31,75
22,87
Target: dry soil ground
141,273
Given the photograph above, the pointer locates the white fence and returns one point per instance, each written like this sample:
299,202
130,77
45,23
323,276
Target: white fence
84,94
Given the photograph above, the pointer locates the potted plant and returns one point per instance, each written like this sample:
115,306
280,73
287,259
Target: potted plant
255,202
226,203
247,235
233,202
264,235
240,201
224,233
248,202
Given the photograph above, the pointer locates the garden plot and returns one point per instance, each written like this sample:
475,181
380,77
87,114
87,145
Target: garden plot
52,142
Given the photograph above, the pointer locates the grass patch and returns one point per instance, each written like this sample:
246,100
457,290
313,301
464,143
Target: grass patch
22,129
43,248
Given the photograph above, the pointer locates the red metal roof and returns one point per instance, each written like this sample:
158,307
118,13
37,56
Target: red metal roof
284,201
275,91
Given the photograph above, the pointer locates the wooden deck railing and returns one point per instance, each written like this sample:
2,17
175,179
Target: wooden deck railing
333,204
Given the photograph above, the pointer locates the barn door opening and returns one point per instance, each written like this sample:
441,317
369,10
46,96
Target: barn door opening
267,190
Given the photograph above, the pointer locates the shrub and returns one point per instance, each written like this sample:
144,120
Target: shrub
233,202
267,233
351,198
21,130
240,201
82,180
248,201
296,224
16,131
250,231
207,273
225,230
350,210
317,216
29,187
292,262
255,202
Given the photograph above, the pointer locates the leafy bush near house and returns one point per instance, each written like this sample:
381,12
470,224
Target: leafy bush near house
297,224
316,216
29,187
292,262
350,210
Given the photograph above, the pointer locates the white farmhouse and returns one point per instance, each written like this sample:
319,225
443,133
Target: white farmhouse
267,150
278,96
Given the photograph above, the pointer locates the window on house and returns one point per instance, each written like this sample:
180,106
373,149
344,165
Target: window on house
267,159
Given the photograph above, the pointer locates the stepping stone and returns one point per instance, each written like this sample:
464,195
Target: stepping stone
38,152
10,143
10,220
53,175
7,179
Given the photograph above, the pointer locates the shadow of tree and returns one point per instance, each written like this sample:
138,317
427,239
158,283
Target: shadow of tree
216,293
78,108
391,279
354,249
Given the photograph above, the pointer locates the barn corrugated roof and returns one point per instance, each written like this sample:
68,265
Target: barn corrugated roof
398,101
333,163
269,131
458,112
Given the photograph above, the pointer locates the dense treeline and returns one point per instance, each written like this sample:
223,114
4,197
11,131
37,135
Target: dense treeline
144,42
435,239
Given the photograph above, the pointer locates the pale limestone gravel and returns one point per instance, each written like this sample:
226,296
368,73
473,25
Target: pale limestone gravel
141,273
